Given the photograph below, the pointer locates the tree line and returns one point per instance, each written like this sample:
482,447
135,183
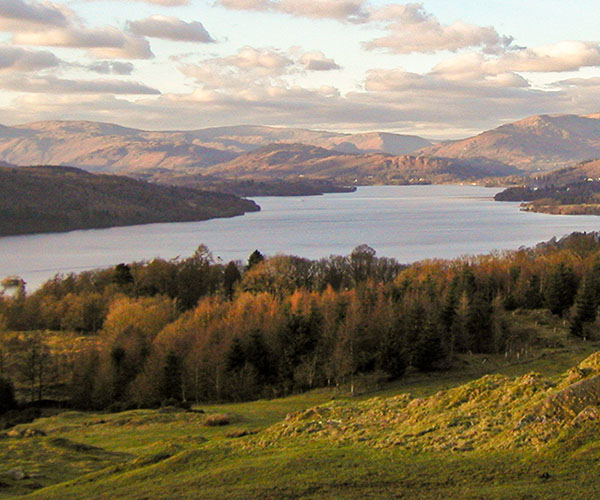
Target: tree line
192,330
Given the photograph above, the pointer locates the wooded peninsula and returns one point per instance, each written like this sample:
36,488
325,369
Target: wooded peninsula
49,199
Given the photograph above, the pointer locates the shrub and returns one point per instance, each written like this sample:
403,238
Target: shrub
217,419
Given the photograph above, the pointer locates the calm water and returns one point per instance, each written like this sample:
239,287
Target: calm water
405,222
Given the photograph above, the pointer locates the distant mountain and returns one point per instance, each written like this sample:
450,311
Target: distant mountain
48,199
290,161
376,142
105,147
536,143
245,138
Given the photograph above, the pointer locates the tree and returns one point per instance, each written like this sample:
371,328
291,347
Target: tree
586,306
560,289
255,258
34,363
428,349
533,296
171,382
7,395
236,356
231,275
362,260
122,275
392,357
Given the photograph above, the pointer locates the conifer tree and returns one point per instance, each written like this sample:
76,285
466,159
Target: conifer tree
255,258
560,289
585,308
171,383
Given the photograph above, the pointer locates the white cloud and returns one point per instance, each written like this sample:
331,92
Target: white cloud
170,28
412,29
317,61
107,42
343,10
22,60
54,85
249,67
559,57
270,60
164,3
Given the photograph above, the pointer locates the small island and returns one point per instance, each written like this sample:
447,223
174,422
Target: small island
45,199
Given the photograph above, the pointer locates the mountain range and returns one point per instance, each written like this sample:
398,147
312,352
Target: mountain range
105,147
536,144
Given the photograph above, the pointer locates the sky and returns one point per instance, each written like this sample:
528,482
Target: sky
440,69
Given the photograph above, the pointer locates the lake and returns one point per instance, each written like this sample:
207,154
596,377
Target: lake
406,222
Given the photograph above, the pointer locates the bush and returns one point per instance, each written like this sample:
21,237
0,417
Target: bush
217,419
7,395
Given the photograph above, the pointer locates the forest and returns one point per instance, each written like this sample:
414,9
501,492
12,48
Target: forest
194,330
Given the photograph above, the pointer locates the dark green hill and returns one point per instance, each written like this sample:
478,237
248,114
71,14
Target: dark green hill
48,199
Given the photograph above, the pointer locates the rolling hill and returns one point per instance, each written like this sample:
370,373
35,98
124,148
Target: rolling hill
49,199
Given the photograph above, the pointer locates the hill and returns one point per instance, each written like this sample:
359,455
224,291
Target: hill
514,435
106,147
541,142
289,161
47,199
584,171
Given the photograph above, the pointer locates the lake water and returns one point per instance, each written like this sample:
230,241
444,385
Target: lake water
406,222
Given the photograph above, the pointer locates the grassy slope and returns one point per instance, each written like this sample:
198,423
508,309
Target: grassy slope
172,454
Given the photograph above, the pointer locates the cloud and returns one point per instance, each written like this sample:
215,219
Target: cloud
22,60
165,3
255,67
421,104
317,61
411,29
107,42
262,59
53,85
343,10
111,68
249,67
559,57
170,28
18,14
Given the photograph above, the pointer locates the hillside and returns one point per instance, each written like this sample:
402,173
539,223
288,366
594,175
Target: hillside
106,147
525,435
285,161
584,171
541,142
47,199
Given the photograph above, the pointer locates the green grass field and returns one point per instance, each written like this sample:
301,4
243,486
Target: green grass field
456,436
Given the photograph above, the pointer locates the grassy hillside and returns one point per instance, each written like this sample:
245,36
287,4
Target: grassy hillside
528,431
47,199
